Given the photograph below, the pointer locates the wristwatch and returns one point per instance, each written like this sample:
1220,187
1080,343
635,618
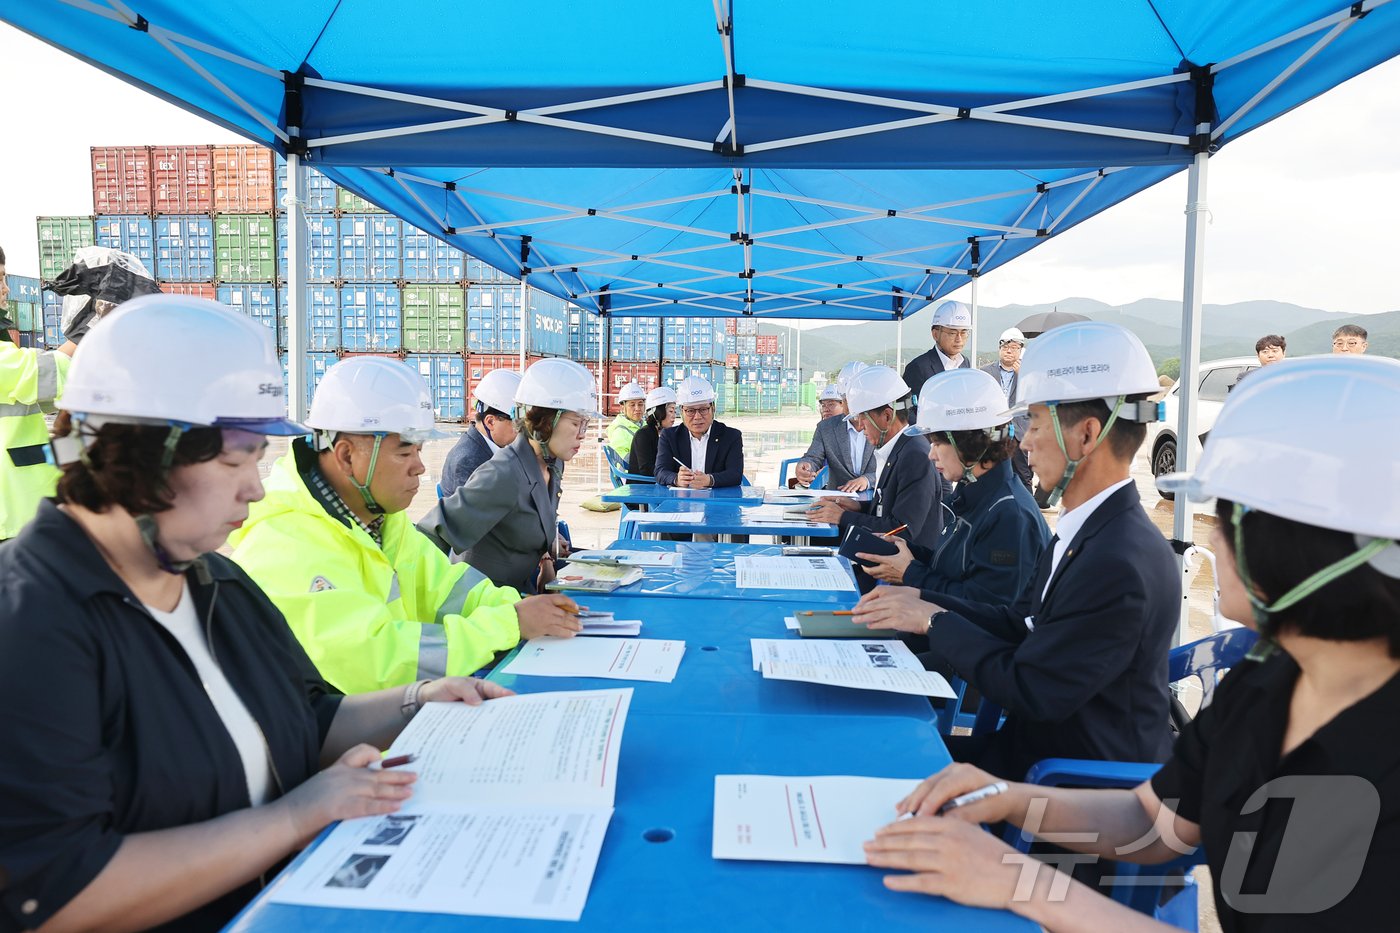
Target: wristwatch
932,616
410,705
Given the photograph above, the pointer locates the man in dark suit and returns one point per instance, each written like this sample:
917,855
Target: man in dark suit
952,322
1007,371
492,429
1079,661
906,493
700,452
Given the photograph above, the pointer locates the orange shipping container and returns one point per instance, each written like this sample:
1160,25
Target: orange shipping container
183,179
197,289
121,180
243,180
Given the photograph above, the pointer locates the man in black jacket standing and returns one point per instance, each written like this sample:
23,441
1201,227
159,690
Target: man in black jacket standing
952,322
1079,661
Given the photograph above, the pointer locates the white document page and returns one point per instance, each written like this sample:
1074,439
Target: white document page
613,627
688,518
802,819
889,679
752,571
634,558
534,863
791,624
877,654
560,747
798,492
652,659
771,514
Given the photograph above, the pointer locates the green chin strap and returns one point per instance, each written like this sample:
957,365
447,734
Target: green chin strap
1264,612
1072,465
968,475
363,488
545,453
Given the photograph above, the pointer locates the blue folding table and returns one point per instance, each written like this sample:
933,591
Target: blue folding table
724,520
651,495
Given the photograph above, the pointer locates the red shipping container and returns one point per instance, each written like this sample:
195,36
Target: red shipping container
197,289
731,361
646,374
479,364
121,179
392,354
243,180
729,327
768,343
182,178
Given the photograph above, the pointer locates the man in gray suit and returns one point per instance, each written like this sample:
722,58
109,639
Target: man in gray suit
952,322
836,443
1007,371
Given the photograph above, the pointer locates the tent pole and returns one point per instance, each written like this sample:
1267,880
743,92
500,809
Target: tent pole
524,312
972,331
1190,352
298,385
899,347
798,362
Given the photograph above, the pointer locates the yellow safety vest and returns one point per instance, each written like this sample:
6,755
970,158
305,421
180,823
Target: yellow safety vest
30,380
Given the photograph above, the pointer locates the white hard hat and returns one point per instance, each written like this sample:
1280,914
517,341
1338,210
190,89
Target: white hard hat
1306,440
847,373
960,400
631,392
183,360
496,390
1012,333
374,395
693,390
661,395
875,387
563,385
829,393
1084,361
952,314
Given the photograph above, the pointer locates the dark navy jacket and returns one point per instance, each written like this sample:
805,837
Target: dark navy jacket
724,458
918,371
906,493
470,452
1089,680
993,537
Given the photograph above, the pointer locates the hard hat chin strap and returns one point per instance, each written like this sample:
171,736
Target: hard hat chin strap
968,475
545,453
1264,612
363,488
1071,464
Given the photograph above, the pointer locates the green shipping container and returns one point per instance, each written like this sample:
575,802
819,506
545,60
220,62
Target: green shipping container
59,239
352,203
26,316
245,248
434,318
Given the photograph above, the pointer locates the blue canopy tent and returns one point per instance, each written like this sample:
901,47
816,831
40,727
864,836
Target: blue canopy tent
786,158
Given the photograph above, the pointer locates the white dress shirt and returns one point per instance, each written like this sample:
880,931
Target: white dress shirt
949,362
857,442
882,456
1070,524
697,450
247,737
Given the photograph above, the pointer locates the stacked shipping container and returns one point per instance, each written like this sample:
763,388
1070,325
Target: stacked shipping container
209,221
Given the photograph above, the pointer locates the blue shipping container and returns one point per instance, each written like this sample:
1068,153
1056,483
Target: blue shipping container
322,248
53,313
185,248
635,339
371,317
323,317
478,271
446,376
371,247
316,366
320,190
23,288
131,233
428,259
549,327
493,318
265,304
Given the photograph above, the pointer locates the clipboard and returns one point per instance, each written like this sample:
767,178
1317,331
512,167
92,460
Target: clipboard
828,623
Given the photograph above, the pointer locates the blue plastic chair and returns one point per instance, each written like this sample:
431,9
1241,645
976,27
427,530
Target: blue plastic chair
1136,886
618,470
1209,658
818,481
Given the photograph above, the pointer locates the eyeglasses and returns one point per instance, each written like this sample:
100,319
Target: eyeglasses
1010,343
694,412
1352,344
954,331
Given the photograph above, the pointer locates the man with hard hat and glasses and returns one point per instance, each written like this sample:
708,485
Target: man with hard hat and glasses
1289,779
829,401
504,521
840,445
491,430
632,399
700,452
952,322
371,600
1007,372
1079,661
906,493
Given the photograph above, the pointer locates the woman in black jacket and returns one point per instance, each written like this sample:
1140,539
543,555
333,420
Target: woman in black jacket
661,413
165,735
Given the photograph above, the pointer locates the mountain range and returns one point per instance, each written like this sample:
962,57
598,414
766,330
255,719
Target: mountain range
1227,330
